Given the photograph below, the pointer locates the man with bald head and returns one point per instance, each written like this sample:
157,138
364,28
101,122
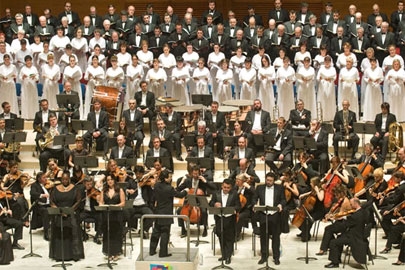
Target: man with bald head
121,150
44,30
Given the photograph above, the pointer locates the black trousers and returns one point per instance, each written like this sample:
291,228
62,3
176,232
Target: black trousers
16,224
162,232
328,235
140,210
228,234
273,227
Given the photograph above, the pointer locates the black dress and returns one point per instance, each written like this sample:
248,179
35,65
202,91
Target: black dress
6,250
72,240
116,227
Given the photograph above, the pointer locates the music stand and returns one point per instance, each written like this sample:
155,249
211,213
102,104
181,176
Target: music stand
112,142
166,162
233,163
379,219
86,162
15,137
221,211
360,128
126,162
328,128
228,141
205,100
65,100
31,254
189,141
203,162
369,128
298,142
15,124
201,202
310,143
64,140
61,211
81,125
308,218
265,210
108,209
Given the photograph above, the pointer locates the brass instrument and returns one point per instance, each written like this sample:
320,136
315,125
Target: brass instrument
49,136
11,148
319,111
395,140
276,113
38,128
345,129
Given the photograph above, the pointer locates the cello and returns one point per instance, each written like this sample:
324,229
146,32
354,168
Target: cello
400,168
365,170
330,183
193,212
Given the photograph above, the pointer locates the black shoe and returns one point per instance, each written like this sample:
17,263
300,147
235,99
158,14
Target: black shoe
18,246
165,255
332,265
151,253
204,234
179,158
183,233
299,234
385,251
277,261
220,259
398,263
262,261
228,260
304,239
85,237
256,231
238,237
397,247
385,237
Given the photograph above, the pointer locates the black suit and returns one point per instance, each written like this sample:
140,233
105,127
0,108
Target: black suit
378,42
140,209
169,30
216,17
310,30
372,16
228,223
286,148
103,123
163,152
354,41
250,171
217,128
296,118
395,20
13,30
137,124
135,45
75,19
90,31
314,47
273,221
235,43
329,28
336,46
126,152
47,35
352,29
40,216
178,42
282,16
321,151
290,27
98,21
338,125
174,127
234,154
164,194
34,20
150,104
264,120
126,30
381,139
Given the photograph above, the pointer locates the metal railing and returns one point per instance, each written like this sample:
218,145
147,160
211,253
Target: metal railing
186,219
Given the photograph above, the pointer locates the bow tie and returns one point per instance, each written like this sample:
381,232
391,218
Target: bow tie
383,33
68,13
360,39
339,38
167,24
232,27
319,37
28,15
209,26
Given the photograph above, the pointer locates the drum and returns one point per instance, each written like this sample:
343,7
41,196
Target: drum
161,105
244,106
111,100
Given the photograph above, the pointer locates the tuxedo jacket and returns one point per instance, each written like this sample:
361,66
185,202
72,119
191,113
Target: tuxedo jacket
264,120
234,44
335,49
307,30
216,17
286,140
395,20
234,154
289,27
36,191
254,40
112,18
321,143
164,193
338,120
268,34
150,100
378,122
247,33
171,29
296,120
209,141
103,121
126,153
258,19
206,32
154,18
364,46
162,152
12,115
324,21
278,198
293,40
371,18
312,42
91,29
224,43
38,119
153,42
70,31
75,18
352,29
129,26
147,31
220,123
190,31
389,39
207,152
306,21
283,15
34,20
248,193
233,199
132,41
188,183
138,119
49,29
98,22
147,192
228,31
13,30
167,135
285,39
250,171
63,130
175,123
329,27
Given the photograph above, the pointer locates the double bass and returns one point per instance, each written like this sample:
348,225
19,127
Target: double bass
193,212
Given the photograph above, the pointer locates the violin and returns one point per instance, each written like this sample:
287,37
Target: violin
342,214
93,193
299,172
6,194
120,173
388,191
400,167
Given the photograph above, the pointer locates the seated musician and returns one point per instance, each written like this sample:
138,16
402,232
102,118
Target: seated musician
121,150
243,188
78,177
263,196
140,190
78,151
146,101
7,114
40,194
53,172
282,148
49,149
226,197
134,117
202,150
401,164
158,151
353,235
343,125
111,169
300,119
397,228
100,121
242,151
382,123
8,150
173,122
72,110
258,122
236,131
291,195
205,133
7,218
216,123
40,119
123,130
370,156
164,135
303,172
90,197
244,168
198,185
341,204
321,152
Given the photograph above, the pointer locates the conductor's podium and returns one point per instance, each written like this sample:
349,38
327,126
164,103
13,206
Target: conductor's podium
178,260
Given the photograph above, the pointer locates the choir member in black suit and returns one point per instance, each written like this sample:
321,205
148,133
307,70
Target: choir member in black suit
73,17
279,14
216,15
264,195
216,123
226,197
396,16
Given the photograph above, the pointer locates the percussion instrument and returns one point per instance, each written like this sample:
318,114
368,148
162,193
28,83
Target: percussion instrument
227,109
188,109
111,99
161,105
244,106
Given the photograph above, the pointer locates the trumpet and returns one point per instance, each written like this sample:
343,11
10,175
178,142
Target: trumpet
276,113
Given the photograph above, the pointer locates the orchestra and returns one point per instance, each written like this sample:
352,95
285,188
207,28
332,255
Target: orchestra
348,72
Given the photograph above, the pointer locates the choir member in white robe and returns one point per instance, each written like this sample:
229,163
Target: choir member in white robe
124,58
114,75
396,93
372,77
64,59
95,76
43,59
156,78
190,61
213,61
134,76
257,64
168,62
201,77
101,57
145,57
36,48
347,88
266,75
58,43
236,63
326,89
341,60
51,75
74,74
180,77
365,64
301,55
387,66
247,78
279,61
20,56
224,78
97,40
306,85
29,91
8,72
285,78
80,48
16,43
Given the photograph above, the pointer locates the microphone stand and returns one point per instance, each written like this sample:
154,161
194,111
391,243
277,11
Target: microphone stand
31,254
308,218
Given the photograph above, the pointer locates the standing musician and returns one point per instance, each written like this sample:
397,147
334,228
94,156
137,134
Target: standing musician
132,115
321,154
41,194
343,125
49,149
246,193
197,184
341,205
300,118
146,101
100,121
140,190
226,197
282,148
353,235
164,194
216,123
270,195
303,172
382,123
